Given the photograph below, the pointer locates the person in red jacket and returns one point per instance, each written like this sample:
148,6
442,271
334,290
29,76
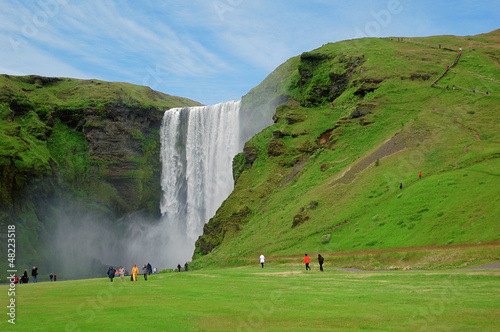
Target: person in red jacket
306,261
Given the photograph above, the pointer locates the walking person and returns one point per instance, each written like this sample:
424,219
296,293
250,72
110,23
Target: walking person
135,272
121,270
51,276
307,259
262,259
320,261
420,175
111,273
34,274
145,271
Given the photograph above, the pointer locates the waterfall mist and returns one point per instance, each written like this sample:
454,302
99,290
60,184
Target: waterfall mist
198,145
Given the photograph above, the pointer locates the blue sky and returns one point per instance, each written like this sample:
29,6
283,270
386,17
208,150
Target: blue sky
213,50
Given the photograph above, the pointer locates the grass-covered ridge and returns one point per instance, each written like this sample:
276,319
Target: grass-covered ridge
360,119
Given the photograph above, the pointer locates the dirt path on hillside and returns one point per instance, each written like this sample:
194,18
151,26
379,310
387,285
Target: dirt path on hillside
395,144
493,266
405,249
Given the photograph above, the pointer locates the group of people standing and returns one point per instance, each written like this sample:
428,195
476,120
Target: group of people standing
185,267
146,270
34,277
307,260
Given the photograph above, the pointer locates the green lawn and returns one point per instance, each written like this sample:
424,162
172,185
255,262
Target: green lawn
273,299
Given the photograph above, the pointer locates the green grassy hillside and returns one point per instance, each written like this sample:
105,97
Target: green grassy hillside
360,119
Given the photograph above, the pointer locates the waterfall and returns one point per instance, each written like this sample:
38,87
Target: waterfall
198,145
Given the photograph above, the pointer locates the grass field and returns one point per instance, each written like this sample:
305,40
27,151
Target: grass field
271,299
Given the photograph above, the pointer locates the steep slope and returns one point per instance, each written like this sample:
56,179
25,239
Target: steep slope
89,142
360,120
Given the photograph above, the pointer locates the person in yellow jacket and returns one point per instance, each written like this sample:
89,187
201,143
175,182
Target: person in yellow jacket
135,272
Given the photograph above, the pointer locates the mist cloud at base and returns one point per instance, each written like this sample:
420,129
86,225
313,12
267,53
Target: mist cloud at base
83,244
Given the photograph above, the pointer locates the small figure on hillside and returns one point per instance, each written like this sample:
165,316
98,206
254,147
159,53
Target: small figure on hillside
179,267
420,175
262,260
474,90
186,266
447,87
447,67
121,270
55,277
145,271
307,259
439,45
320,261
150,268
51,276
34,274
111,273
401,185
453,87
135,272
487,93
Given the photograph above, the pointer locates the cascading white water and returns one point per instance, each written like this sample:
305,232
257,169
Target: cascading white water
198,146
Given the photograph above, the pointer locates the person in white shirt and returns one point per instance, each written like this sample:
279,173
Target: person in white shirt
262,260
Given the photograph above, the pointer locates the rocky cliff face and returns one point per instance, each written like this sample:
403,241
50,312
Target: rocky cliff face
117,145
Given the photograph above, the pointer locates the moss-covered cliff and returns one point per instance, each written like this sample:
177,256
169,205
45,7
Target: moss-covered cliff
88,141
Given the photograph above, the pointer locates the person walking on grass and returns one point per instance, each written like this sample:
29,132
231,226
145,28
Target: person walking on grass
307,259
320,261
111,273
135,272
145,271
121,270
34,274
262,260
